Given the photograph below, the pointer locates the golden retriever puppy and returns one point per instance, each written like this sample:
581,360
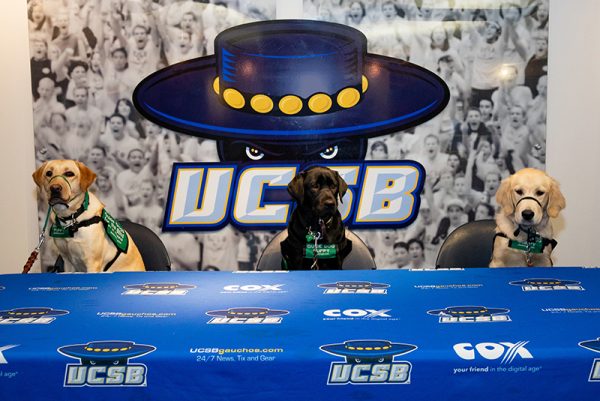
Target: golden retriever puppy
524,237
87,237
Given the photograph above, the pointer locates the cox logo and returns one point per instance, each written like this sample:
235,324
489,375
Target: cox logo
493,351
357,313
254,288
2,349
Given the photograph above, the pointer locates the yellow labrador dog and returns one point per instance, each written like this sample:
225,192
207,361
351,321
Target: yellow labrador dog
528,199
86,236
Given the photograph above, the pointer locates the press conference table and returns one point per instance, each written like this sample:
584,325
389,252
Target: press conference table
473,334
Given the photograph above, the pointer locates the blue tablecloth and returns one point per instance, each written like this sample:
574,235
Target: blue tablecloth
474,334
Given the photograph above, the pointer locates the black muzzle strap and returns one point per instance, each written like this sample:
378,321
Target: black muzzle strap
529,198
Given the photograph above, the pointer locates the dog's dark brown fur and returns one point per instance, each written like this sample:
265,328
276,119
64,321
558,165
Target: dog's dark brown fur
316,192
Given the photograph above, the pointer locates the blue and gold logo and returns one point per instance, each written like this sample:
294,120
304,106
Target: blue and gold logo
338,98
355,287
246,315
369,362
593,345
157,289
208,196
548,284
106,364
30,315
471,314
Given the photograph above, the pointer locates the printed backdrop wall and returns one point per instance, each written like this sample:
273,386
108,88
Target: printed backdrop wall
87,56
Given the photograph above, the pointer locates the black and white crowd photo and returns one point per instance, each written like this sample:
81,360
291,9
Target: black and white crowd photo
87,56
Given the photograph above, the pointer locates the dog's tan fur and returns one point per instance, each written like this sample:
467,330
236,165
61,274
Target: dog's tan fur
528,182
90,249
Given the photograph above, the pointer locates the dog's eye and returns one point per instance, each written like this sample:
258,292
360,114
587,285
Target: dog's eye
69,174
519,191
330,152
253,153
539,193
48,173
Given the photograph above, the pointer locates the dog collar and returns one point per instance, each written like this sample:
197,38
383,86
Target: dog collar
113,228
535,243
313,250
69,220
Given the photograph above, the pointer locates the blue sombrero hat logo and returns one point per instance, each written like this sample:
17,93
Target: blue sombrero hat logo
467,311
28,313
106,352
545,282
359,351
159,286
291,80
592,345
247,313
354,285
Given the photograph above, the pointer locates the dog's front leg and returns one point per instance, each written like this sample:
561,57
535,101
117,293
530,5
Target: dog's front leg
97,258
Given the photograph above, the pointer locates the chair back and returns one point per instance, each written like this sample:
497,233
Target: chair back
470,245
153,251
358,259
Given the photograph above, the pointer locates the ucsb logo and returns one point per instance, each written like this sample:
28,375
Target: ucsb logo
548,284
493,351
471,314
159,289
207,196
130,375
354,287
593,345
30,315
246,315
369,362
105,363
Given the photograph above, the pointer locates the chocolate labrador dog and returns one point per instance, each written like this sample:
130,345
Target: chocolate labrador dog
316,235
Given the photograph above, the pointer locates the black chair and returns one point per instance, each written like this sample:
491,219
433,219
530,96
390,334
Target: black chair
153,251
359,258
470,245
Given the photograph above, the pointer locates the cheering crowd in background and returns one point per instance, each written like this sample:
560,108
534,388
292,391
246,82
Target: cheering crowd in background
87,56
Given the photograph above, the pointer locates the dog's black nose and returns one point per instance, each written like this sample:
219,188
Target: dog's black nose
55,189
527,214
329,204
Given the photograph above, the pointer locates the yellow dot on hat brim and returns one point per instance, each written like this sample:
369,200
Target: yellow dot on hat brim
234,98
261,103
216,86
348,97
319,103
365,84
290,104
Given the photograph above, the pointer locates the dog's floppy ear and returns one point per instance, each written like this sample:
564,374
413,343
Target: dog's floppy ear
38,175
86,177
556,200
296,187
342,186
504,197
